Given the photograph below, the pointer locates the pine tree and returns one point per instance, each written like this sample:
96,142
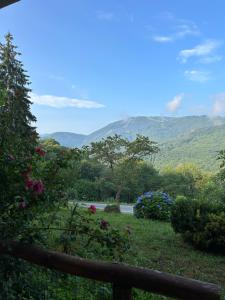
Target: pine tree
17,134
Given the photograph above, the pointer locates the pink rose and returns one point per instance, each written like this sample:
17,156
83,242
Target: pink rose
104,224
92,209
38,187
29,184
40,151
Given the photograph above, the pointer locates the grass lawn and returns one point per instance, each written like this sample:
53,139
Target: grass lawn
156,246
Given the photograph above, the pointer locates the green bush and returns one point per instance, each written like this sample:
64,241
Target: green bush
214,233
87,190
182,214
153,205
112,208
200,222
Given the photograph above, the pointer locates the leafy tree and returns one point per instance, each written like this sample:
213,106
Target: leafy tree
121,156
185,179
108,151
50,144
16,130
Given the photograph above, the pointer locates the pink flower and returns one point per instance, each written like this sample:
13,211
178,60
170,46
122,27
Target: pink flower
29,184
92,209
38,187
40,151
22,204
104,224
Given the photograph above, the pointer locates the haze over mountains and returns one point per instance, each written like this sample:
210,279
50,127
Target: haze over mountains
194,139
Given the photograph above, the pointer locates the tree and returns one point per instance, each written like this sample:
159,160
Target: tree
186,179
17,133
108,151
122,155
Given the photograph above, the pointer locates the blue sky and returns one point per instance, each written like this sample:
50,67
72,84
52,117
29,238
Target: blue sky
92,62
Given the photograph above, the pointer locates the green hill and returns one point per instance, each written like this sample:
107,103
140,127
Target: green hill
194,139
67,139
199,147
157,128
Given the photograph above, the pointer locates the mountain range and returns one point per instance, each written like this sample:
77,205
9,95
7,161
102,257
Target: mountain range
195,139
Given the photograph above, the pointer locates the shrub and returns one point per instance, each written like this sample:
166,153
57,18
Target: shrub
112,208
214,232
92,237
182,214
153,205
200,222
87,190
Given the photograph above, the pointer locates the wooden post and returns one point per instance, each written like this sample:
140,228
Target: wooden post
121,293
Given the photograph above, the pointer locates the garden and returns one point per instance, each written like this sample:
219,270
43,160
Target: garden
178,224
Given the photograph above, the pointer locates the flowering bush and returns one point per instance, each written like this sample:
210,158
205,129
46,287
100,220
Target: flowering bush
153,205
89,236
92,209
104,224
30,187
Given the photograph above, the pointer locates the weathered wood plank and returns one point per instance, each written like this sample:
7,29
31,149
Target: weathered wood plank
118,274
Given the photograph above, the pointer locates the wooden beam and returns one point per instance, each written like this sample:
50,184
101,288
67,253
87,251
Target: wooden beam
121,293
120,275
4,3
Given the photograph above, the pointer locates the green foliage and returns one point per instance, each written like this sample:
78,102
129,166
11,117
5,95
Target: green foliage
121,156
185,179
196,146
86,190
182,214
199,222
213,236
153,205
109,150
87,235
16,131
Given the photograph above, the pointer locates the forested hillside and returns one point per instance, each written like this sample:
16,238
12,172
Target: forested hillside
195,139
200,147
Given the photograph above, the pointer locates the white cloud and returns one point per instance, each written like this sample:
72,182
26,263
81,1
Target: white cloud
219,104
162,39
105,15
187,28
204,50
60,102
173,105
179,29
196,75
210,59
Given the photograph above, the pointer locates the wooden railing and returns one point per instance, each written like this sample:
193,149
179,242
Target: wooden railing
123,277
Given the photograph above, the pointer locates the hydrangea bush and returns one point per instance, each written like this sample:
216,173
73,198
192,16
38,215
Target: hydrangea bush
153,205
